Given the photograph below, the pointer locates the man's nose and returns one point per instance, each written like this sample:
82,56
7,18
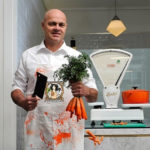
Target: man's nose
57,26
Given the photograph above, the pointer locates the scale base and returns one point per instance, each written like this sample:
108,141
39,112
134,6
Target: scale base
117,114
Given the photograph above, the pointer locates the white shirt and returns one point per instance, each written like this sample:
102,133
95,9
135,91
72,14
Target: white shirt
40,55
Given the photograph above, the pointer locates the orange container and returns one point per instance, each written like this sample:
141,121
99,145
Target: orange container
135,96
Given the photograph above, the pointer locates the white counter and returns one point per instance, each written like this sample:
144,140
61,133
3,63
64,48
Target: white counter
120,139
121,131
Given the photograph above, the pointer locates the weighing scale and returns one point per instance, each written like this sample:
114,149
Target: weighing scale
111,66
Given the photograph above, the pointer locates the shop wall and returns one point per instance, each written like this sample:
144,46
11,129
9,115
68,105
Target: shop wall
96,20
29,33
136,43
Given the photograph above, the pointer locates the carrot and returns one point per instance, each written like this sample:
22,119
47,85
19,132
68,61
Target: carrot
71,114
75,109
94,138
120,123
76,106
90,133
91,138
79,117
73,104
84,114
78,109
102,137
69,105
100,141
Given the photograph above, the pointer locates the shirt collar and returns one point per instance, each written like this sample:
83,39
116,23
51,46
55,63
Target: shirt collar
43,47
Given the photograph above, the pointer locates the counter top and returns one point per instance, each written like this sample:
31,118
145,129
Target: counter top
120,139
120,131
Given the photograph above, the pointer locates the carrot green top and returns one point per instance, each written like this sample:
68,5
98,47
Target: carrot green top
75,70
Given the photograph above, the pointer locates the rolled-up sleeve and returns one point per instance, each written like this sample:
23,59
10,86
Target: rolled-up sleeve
90,81
20,78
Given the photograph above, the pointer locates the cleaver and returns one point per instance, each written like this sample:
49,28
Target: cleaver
40,85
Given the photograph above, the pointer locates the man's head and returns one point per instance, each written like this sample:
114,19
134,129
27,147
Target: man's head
54,26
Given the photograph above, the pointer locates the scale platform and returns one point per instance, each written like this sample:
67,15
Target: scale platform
145,105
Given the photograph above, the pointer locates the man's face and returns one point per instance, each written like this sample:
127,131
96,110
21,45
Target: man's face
54,26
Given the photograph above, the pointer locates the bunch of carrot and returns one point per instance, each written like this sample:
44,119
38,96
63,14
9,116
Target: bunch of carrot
76,106
119,123
94,138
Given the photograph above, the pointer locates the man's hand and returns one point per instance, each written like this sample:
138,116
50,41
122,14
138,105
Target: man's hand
79,89
28,103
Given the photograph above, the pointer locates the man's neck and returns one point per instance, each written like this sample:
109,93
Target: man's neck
53,46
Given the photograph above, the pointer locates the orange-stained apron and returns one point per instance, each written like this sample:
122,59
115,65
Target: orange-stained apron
49,126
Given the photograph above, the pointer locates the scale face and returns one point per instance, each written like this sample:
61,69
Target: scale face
111,65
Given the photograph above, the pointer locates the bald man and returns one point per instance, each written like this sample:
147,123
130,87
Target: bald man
54,26
48,126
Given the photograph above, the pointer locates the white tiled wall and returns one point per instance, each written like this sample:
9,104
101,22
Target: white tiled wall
29,33
1,75
99,41
30,14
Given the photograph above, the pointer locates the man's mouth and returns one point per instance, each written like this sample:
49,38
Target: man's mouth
56,34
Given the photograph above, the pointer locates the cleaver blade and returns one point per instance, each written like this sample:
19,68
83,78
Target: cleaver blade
40,85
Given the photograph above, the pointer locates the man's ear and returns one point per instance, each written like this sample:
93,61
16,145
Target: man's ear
66,25
42,24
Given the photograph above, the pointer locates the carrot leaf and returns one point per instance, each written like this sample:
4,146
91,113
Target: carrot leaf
75,70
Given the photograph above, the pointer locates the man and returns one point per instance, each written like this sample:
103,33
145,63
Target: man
48,126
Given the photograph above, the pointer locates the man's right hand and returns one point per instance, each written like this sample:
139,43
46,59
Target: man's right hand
28,103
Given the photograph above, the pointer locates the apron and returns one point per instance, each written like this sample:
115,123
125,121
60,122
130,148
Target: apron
49,126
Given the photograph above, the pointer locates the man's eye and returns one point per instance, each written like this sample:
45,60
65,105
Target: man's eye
52,23
55,24
61,24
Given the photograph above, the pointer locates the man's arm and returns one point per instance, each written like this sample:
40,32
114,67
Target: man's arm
18,97
28,103
91,95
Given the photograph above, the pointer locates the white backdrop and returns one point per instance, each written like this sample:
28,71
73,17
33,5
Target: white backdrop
7,66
